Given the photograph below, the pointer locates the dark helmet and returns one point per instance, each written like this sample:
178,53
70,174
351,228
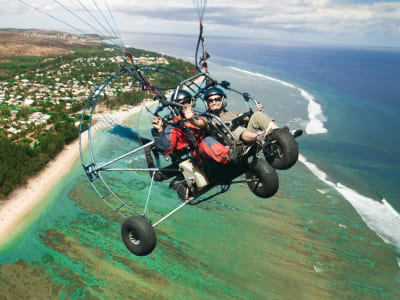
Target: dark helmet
215,91
182,94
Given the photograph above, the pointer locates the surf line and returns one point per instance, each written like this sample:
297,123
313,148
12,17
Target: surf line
379,216
316,117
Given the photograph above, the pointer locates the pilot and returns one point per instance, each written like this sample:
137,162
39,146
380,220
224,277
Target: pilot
257,128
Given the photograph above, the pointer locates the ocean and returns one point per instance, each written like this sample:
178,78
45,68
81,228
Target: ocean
331,231
352,98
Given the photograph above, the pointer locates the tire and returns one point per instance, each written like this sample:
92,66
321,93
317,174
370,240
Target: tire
183,191
262,179
281,150
138,235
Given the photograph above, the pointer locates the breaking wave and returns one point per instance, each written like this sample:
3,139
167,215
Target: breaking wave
316,117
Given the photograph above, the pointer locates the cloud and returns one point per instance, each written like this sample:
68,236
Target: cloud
318,17
303,15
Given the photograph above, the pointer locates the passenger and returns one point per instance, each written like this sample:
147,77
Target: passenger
173,138
258,126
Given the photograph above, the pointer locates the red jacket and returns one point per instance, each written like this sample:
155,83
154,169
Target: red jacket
175,138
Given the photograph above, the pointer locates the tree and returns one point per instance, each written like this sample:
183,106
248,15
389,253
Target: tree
51,144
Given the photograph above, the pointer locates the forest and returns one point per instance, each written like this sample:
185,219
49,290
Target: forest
19,161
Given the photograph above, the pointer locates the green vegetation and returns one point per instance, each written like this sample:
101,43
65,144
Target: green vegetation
19,161
57,88
17,65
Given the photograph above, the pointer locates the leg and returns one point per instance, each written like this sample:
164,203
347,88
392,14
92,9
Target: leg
211,148
256,124
259,122
243,134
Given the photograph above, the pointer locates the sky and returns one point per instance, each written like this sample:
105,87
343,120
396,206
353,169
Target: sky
337,22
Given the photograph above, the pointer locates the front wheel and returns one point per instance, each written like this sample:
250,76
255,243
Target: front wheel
281,149
138,235
262,179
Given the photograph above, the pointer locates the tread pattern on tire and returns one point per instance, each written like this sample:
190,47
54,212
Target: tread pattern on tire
288,147
262,179
142,230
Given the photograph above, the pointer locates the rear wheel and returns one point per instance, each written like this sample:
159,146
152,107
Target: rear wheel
138,235
281,149
183,191
262,179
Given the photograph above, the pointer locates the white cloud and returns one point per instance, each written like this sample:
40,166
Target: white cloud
314,19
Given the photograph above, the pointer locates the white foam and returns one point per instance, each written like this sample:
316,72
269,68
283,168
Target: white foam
315,114
379,216
317,267
323,191
398,261
317,270
315,125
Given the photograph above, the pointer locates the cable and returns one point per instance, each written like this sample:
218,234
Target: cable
115,25
76,16
53,17
98,22
99,10
200,5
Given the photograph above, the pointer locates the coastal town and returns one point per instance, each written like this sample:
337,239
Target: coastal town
29,100
61,36
44,87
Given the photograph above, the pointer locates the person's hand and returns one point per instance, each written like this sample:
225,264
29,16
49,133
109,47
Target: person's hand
188,111
259,107
157,123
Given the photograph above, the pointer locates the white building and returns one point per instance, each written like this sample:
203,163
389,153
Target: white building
28,102
13,130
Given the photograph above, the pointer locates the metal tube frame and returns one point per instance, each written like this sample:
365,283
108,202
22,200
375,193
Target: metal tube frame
92,168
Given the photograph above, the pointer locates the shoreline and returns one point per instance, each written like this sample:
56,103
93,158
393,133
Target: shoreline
24,199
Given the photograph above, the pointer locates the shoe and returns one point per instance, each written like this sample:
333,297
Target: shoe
260,138
295,132
262,135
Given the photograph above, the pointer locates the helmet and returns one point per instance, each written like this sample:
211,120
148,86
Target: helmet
182,94
215,91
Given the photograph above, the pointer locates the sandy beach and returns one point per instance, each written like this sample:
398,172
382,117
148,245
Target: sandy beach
24,199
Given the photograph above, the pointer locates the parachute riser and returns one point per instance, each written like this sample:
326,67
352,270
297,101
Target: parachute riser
146,83
202,63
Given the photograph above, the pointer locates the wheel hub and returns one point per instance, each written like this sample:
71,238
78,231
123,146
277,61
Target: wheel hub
133,238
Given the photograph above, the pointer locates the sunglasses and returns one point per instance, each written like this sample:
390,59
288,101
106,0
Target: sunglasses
185,100
215,99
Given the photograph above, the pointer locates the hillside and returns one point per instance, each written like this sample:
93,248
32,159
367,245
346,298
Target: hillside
34,42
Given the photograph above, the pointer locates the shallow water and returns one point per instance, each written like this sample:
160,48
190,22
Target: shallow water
308,241
301,243
305,242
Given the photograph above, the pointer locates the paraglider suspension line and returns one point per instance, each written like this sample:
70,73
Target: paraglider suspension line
202,62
